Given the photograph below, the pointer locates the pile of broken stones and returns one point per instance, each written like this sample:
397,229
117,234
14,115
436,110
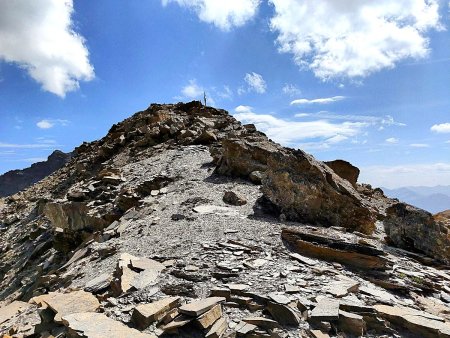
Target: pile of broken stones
183,223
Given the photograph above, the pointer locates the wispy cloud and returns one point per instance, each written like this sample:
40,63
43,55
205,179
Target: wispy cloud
381,121
255,82
27,146
419,145
324,100
291,90
403,175
392,140
192,90
50,123
441,128
294,133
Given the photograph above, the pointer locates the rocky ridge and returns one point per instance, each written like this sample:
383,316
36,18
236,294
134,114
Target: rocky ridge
183,222
16,180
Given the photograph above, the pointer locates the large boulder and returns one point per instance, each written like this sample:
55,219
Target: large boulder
415,229
308,191
345,170
242,156
73,216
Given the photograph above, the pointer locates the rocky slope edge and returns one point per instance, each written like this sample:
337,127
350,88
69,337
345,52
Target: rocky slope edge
182,222
16,180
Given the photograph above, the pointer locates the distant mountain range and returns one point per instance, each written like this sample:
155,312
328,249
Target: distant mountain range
432,199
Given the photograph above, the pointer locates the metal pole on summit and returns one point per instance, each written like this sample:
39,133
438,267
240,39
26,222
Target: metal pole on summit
204,97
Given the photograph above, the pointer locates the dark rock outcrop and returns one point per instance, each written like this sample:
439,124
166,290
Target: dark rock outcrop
16,180
345,170
415,229
308,191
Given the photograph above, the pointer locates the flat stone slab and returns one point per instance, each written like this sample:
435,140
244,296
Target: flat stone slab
98,283
381,295
98,325
423,324
145,314
199,307
214,209
262,322
327,309
67,303
342,288
279,298
11,310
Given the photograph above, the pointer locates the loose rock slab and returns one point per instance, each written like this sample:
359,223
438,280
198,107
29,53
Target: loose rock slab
145,314
327,309
422,323
9,311
67,303
199,307
97,325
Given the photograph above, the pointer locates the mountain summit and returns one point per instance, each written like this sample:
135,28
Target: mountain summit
183,222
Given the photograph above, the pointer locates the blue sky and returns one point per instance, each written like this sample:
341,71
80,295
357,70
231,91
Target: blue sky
361,80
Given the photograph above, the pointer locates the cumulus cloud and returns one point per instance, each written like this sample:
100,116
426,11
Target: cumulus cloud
223,14
441,128
351,38
294,133
50,123
392,140
38,36
325,100
403,175
255,82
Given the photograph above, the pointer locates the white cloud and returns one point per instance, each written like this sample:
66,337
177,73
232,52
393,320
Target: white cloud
225,93
325,100
293,133
38,36
441,128
350,38
419,145
193,90
291,90
392,140
428,174
44,124
381,121
50,123
300,115
223,14
243,109
256,83
26,146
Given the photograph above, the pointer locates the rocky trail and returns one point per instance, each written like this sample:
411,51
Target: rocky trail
181,222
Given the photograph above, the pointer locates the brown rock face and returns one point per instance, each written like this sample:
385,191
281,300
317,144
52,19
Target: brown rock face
242,156
308,191
345,170
415,229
